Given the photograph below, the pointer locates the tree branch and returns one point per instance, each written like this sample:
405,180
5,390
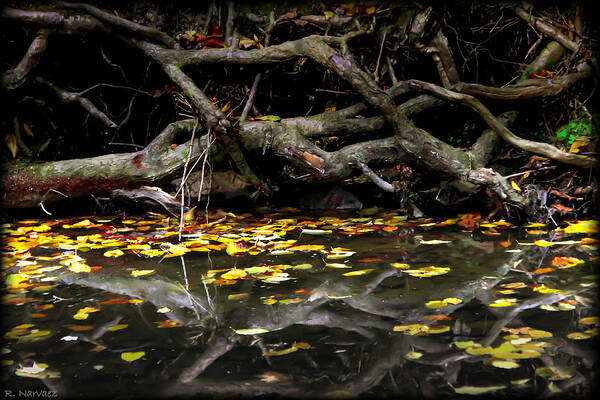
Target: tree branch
123,24
369,173
15,77
72,97
547,29
542,149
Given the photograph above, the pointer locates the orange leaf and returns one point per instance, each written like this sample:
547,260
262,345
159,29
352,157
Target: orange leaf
560,207
115,301
167,324
543,270
213,43
437,317
77,328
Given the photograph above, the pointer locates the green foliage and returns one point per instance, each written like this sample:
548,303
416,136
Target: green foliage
581,126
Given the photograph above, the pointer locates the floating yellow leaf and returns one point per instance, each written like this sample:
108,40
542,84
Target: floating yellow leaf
132,356
302,266
554,373
452,300
79,267
250,331
337,265
589,226
35,333
141,272
359,272
138,246
514,285
536,333
307,247
476,390
152,252
302,345
113,253
506,302
238,296
427,272
413,355
118,327
434,241
562,306
578,336
435,329
477,350
588,320
234,274
173,249
16,280
339,254
316,231
291,301
436,304
256,270
504,364
400,265
463,345
84,312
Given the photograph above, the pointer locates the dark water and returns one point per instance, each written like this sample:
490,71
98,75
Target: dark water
284,323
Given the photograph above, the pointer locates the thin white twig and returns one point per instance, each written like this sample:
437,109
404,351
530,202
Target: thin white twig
187,161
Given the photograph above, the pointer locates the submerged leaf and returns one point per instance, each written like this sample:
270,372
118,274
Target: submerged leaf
554,373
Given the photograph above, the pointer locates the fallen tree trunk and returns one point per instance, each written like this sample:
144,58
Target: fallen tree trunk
32,185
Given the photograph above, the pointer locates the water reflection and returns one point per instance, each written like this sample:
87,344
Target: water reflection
336,306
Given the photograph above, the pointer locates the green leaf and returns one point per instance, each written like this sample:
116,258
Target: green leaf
132,356
475,390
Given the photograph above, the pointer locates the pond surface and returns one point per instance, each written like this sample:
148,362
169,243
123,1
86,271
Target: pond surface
284,303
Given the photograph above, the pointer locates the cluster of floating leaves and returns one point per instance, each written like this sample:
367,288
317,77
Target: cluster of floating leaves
27,272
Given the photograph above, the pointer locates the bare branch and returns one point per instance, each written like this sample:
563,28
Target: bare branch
369,173
547,29
71,97
542,149
15,77
122,23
